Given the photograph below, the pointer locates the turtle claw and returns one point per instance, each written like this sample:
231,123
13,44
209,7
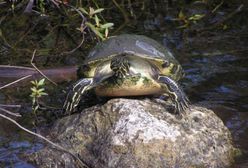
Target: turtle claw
181,106
182,103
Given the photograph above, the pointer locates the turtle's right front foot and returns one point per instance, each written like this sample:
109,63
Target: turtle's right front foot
75,94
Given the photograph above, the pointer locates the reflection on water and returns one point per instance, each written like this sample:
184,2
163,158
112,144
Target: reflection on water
10,151
13,144
221,83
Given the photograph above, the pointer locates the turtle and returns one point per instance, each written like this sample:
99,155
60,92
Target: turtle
129,65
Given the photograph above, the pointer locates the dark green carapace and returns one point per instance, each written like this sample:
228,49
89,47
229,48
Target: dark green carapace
129,65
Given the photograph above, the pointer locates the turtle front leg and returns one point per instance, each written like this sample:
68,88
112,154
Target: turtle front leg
175,93
75,94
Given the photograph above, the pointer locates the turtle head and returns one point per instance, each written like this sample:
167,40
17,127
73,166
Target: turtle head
120,66
170,68
82,71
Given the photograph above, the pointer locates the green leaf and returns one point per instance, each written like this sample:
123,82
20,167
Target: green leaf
98,11
33,89
106,32
196,17
43,94
36,108
225,27
183,26
91,11
181,15
41,90
41,82
35,82
83,10
107,25
93,28
97,21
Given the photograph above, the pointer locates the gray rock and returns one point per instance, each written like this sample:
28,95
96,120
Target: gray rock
127,133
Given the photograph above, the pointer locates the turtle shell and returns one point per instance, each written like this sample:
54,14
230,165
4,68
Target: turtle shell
136,45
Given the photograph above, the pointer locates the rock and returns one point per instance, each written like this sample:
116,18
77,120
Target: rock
127,133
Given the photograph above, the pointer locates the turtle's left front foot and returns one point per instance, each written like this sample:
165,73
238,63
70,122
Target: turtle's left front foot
181,102
176,94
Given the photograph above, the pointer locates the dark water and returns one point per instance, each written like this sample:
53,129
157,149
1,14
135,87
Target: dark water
224,88
216,77
13,143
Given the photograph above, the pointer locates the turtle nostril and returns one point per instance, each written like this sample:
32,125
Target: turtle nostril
165,64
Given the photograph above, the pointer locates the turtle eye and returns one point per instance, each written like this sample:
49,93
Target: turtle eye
165,64
85,68
82,70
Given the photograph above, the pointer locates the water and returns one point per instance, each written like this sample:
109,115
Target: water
14,143
220,82
216,70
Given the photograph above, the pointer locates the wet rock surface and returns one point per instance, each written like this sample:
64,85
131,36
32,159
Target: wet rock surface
138,133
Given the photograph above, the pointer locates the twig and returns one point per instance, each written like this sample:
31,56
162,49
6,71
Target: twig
17,67
233,13
217,7
45,139
6,43
78,11
28,8
24,34
16,81
82,29
1,3
239,9
124,14
83,26
39,70
10,105
73,50
10,113
55,3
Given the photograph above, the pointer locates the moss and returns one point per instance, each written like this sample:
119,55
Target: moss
146,81
130,81
236,153
113,82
